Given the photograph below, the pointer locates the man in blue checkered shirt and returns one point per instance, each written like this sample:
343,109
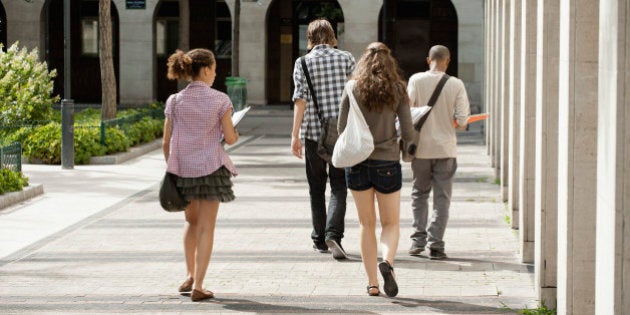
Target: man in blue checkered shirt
329,69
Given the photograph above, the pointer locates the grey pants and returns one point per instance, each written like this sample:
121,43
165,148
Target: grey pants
437,174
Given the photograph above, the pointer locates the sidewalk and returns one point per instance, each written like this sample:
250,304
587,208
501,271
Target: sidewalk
98,241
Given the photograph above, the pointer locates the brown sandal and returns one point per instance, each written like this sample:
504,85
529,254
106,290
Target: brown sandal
198,295
370,287
187,285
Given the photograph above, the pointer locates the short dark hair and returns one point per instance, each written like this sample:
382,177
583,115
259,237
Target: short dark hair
439,52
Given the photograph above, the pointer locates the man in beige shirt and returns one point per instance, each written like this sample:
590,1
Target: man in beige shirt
435,161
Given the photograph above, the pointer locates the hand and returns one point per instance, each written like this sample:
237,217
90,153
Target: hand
296,147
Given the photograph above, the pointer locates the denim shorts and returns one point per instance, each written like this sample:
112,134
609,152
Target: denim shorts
384,176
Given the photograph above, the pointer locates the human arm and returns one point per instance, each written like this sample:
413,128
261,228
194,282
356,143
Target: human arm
344,107
404,117
462,108
412,93
166,139
229,132
299,107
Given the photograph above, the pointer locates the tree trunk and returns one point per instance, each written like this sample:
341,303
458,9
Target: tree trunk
236,36
108,77
184,32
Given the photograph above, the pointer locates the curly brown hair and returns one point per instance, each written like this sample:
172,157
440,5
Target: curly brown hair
379,81
183,66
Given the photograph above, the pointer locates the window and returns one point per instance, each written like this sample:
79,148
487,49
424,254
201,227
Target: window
89,36
166,37
223,31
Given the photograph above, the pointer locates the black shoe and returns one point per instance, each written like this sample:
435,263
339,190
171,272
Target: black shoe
437,254
336,249
387,271
322,248
415,250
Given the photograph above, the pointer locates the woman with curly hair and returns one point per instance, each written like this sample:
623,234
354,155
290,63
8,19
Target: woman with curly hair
197,118
382,96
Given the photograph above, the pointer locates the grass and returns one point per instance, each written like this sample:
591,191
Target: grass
540,310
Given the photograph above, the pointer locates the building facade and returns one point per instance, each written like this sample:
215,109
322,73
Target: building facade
272,37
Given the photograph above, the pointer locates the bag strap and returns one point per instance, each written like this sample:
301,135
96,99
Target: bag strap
310,87
433,100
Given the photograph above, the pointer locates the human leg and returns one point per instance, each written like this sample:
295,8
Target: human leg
389,212
443,175
190,243
335,223
207,216
421,169
317,177
364,201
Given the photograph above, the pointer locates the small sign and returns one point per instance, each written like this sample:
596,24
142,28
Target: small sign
286,39
136,4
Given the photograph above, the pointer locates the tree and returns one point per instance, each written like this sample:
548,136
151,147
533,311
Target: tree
184,32
236,29
108,77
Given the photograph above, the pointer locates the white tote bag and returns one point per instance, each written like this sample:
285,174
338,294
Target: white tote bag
355,143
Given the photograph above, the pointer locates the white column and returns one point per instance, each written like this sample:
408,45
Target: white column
514,107
361,24
505,97
577,155
137,53
24,23
487,71
613,161
546,176
490,77
254,49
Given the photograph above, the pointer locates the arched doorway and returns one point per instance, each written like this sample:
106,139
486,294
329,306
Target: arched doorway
3,27
210,27
287,21
86,80
413,26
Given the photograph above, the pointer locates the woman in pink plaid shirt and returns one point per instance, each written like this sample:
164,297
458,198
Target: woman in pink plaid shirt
196,119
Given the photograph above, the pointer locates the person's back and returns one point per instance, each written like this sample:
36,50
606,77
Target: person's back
437,137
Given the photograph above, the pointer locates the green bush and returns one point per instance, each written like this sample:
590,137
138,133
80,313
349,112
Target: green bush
11,181
26,87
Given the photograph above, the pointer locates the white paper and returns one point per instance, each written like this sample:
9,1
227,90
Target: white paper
416,114
236,117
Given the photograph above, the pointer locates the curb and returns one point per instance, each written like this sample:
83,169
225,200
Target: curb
133,152
16,197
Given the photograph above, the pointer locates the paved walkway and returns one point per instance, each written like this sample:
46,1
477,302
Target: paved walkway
98,241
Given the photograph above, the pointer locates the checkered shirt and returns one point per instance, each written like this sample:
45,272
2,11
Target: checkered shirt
196,114
329,69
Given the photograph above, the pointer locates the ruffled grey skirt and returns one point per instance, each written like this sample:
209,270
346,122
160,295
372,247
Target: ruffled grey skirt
216,186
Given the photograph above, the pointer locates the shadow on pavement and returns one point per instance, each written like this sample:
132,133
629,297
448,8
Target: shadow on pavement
243,305
448,306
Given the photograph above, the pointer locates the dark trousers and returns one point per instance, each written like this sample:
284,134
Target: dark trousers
325,226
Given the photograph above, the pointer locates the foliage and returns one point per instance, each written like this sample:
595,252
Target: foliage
26,87
541,310
11,181
43,143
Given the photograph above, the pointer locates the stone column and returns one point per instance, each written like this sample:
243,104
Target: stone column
24,23
490,77
487,72
546,176
505,97
254,49
577,155
496,100
137,54
361,24
613,160
514,106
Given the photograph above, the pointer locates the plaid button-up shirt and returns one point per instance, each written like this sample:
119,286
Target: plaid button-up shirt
329,69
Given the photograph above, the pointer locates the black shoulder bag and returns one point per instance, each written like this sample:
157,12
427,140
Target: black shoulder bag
408,150
329,135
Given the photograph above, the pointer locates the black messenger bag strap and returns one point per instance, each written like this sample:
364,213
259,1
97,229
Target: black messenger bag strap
433,100
310,87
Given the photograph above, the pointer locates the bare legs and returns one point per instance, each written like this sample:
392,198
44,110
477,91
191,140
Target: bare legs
201,216
389,212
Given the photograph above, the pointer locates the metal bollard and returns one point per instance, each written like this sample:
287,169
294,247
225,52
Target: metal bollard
67,134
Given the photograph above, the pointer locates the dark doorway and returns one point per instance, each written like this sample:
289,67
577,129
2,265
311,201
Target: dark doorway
210,28
3,27
413,26
287,21
86,80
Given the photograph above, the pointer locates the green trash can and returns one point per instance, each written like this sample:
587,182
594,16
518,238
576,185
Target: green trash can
237,91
